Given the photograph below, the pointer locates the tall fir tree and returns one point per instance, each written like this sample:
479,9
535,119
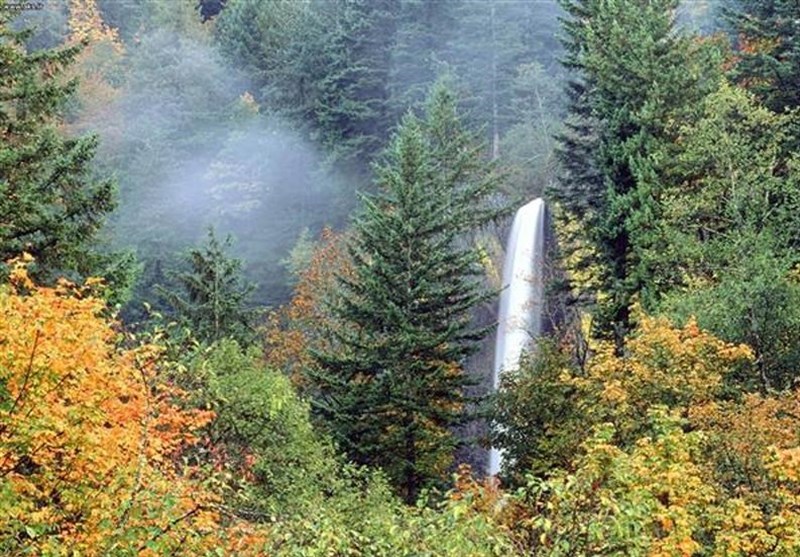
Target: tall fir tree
392,387
634,77
51,204
424,31
323,63
493,39
274,45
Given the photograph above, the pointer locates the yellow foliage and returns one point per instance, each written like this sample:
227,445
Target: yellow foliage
96,67
90,439
681,368
584,276
86,25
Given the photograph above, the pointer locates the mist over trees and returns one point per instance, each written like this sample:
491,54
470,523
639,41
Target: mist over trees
251,251
264,120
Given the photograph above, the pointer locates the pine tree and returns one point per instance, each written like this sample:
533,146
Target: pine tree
492,39
51,206
215,295
393,385
351,110
325,64
424,31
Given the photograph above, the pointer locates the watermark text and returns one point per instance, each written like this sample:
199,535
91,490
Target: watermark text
19,6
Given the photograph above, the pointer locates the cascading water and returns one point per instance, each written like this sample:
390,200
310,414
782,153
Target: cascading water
522,299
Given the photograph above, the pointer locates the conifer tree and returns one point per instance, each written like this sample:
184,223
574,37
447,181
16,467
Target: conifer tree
634,76
324,63
768,54
392,386
50,204
214,302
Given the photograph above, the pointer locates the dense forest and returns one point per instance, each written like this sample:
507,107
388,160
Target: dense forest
250,256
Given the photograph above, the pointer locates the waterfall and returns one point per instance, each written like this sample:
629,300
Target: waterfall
522,298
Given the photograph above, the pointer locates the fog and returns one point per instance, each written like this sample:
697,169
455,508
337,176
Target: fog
262,142
191,149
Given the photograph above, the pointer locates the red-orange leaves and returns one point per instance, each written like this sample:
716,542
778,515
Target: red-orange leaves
294,329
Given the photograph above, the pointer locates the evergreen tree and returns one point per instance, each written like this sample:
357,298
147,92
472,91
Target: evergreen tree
135,18
325,64
768,54
492,40
51,205
528,147
634,77
214,300
351,109
424,32
273,44
393,384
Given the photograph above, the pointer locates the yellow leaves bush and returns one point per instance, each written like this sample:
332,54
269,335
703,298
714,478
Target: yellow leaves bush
647,500
678,367
669,466
90,439
295,329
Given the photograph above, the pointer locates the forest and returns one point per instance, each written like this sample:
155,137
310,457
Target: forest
251,253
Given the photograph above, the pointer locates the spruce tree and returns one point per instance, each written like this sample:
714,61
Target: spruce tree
492,39
51,206
393,385
424,31
325,64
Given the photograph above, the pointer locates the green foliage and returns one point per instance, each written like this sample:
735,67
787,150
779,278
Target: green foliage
282,473
342,527
635,76
214,298
727,238
264,40
679,190
491,43
543,410
51,204
423,32
768,54
198,150
754,300
732,173
392,385
347,71
49,27
536,422
134,18
262,435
